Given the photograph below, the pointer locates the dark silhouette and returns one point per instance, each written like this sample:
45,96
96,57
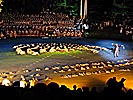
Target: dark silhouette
54,91
115,88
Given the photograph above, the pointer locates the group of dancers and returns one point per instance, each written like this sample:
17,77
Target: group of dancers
36,49
40,48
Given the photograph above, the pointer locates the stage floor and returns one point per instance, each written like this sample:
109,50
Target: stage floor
28,64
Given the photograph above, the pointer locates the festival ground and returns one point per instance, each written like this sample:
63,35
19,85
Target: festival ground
43,65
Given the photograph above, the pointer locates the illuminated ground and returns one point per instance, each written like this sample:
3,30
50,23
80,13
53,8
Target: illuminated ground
10,61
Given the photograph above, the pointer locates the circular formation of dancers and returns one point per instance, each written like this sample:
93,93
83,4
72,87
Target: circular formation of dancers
40,48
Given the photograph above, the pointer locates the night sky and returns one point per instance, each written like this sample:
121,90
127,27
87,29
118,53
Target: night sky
37,5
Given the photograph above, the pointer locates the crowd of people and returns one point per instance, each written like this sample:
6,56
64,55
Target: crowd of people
46,24
53,24
53,90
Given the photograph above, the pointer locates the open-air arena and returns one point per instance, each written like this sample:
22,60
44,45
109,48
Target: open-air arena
58,48
89,63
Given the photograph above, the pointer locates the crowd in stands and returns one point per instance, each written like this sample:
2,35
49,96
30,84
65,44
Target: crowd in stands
46,24
51,24
124,26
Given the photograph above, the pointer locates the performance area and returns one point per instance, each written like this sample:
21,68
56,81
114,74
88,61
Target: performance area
68,61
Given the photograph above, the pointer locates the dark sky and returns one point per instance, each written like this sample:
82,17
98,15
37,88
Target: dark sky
39,4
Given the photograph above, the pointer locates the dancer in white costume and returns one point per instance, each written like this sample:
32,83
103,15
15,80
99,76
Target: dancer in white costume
116,49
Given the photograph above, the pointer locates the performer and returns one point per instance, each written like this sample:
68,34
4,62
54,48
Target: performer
116,49
6,81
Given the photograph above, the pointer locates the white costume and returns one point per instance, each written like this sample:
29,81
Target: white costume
23,83
6,82
116,49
